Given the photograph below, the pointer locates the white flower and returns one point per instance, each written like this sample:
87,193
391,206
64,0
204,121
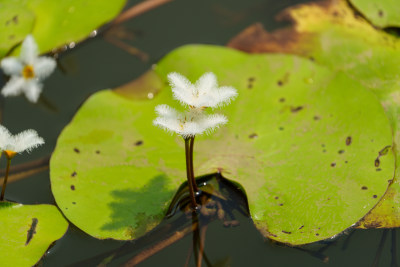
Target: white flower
187,124
205,93
27,71
12,144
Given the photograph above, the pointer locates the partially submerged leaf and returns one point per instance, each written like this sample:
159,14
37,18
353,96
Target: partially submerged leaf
53,23
27,231
382,13
299,140
330,33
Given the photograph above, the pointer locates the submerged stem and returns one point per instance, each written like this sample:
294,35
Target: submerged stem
189,171
3,190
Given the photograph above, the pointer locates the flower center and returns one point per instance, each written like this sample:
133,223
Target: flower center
28,72
9,153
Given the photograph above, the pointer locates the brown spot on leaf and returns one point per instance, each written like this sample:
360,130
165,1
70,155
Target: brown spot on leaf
286,232
377,162
317,234
384,151
281,128
251,79
72,187
77,150
317,118
74,202
301,227
380,13
364,188
97,151
333,164
253,136
378,169
73,174
280,83
341,151
280,204
276,197
296,109
139,143
374,196
282,99
348,140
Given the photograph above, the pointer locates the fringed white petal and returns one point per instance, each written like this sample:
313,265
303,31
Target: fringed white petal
13,87
224,95
27,140
206,83
32,90
182,88
205,93
29,50
178,81
44,66
5,136
166,111
11,66
211,122
187,124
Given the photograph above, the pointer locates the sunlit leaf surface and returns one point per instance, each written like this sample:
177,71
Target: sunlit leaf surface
52,23
299,140
27,231
329,33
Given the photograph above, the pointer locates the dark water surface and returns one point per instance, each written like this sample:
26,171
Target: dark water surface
97,64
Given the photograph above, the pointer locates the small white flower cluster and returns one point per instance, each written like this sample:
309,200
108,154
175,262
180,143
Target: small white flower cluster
205,93
13,144
26,71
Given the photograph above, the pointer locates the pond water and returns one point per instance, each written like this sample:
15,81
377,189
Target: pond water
98,64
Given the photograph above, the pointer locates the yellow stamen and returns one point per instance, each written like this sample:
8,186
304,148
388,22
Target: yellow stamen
28,72
10,154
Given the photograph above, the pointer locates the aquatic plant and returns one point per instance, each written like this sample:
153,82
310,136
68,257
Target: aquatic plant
197,97
14,144
27,71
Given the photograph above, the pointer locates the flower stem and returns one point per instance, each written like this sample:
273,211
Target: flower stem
3,190
195,188
189,171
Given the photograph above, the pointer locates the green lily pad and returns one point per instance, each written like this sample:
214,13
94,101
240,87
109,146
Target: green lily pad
299,140
329,33
27,231
15,24
383,13
54,23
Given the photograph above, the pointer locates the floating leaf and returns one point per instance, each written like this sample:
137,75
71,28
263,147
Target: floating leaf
15,23
329,33
27,231
53,23
299,140
383,13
